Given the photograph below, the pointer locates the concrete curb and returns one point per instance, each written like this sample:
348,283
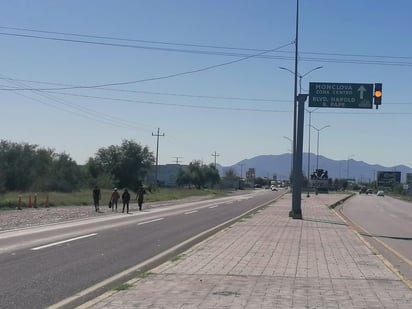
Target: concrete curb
129,275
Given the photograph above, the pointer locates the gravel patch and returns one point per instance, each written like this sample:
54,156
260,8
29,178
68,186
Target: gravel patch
29,217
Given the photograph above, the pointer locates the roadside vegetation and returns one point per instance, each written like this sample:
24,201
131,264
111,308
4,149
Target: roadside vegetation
31,176
123,287
84,197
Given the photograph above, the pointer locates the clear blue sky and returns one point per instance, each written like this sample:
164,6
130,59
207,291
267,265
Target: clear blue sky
238,110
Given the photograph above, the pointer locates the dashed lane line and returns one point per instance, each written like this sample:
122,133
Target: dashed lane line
190,212
150,221
63,242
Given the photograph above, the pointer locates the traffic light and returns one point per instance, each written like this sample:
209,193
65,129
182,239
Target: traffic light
377,95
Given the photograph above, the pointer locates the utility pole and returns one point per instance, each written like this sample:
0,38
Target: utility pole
241,170
215,155
177,159
157,150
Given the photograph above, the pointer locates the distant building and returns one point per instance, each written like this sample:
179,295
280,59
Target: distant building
250,175
166,174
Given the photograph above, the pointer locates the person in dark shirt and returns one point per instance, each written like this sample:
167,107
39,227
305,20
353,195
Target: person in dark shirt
140,196
96,198
126,199
115,197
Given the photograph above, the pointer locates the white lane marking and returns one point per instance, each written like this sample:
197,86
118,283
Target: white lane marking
154,220
214,206
63,242
190,212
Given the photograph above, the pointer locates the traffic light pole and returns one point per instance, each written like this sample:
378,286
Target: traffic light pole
296,212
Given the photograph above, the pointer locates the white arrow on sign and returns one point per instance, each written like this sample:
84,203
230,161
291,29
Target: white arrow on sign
361,91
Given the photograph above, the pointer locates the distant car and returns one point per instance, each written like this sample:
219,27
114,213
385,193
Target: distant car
369,191
273,188
380,193
362,190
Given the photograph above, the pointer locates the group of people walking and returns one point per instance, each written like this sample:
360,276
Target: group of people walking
115,197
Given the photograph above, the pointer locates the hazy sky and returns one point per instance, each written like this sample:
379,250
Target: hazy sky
198,70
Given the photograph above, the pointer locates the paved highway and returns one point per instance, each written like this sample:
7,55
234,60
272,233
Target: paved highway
42,266
386,223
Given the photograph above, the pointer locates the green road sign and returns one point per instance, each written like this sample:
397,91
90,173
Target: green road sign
340,95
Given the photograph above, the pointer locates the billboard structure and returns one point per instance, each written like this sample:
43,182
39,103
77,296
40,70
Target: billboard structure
320,180
409,178
387,179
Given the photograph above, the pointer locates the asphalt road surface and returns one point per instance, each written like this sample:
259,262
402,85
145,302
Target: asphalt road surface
42,266
386,223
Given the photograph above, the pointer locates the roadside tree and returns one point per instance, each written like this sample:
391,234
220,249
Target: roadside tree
127,164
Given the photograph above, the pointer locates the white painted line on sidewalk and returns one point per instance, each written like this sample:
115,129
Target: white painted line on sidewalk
63,242
190,212
154,220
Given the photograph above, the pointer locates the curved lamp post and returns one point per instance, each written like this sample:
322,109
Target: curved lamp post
309,127
347,165
317,153
301,75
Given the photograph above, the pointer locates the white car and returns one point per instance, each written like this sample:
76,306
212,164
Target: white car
273,188
380,193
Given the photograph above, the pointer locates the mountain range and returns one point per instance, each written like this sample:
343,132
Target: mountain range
280,166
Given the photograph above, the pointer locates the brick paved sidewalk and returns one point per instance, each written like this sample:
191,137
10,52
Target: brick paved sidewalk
272,261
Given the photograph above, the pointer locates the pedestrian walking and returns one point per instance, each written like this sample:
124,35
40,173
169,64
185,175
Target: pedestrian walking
126,199
114,198
96,198
140,197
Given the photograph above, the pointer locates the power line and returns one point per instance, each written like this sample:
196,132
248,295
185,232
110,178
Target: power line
260,55
171,75
148,92
176,104
153,92
178,159
164,49
196,45
132,40
109,118
207,107
76,109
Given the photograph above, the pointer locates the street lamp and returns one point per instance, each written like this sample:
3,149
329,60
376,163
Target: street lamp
301,75
291,150
309,125
241,170
347,165
317,154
